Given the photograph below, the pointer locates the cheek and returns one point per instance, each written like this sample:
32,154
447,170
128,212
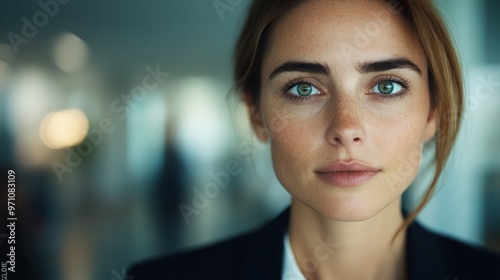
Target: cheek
401,145
281,115
292,128
293,144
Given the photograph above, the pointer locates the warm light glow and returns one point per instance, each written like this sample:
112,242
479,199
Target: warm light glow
64,128
70,53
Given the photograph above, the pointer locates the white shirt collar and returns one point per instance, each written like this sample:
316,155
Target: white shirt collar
290,270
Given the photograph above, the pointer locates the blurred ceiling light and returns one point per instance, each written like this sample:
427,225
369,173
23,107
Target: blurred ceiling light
33,93
200,118
64,128
70,53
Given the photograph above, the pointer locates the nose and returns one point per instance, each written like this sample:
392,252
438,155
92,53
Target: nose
346,123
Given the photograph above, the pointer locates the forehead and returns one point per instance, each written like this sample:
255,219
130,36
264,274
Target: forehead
343,32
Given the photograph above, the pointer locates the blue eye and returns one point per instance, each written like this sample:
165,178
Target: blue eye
387,88
303,89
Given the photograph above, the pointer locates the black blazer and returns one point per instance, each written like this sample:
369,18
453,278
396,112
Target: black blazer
259,255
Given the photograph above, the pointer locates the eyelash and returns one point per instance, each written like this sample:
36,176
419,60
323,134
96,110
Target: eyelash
288,86
403,82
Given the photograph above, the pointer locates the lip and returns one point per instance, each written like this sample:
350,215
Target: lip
347,173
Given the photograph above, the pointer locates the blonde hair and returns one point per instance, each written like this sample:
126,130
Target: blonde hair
445,77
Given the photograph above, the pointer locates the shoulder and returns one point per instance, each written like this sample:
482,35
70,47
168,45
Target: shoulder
433,254
244,257
469,259
220,260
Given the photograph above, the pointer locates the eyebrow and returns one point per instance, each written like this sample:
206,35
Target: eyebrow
366,67
384,65
301,66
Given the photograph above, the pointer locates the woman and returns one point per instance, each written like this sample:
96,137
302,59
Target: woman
347,93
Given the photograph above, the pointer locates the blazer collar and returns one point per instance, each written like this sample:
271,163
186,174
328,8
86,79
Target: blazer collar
264,260
425,256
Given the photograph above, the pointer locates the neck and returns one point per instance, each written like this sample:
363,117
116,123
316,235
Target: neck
327,249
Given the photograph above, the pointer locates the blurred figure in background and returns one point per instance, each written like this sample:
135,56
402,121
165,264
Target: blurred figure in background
169,192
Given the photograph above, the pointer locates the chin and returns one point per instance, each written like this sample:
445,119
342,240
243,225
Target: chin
345,209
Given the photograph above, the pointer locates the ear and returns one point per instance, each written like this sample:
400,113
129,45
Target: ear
431,126
255,118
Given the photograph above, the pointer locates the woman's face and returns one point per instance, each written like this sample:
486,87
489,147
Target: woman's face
344,82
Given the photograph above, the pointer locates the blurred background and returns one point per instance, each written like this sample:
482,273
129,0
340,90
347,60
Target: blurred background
115,117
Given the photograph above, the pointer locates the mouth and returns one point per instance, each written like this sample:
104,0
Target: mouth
347,173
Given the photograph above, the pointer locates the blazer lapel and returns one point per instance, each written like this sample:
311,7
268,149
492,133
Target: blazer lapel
265,257
425,257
